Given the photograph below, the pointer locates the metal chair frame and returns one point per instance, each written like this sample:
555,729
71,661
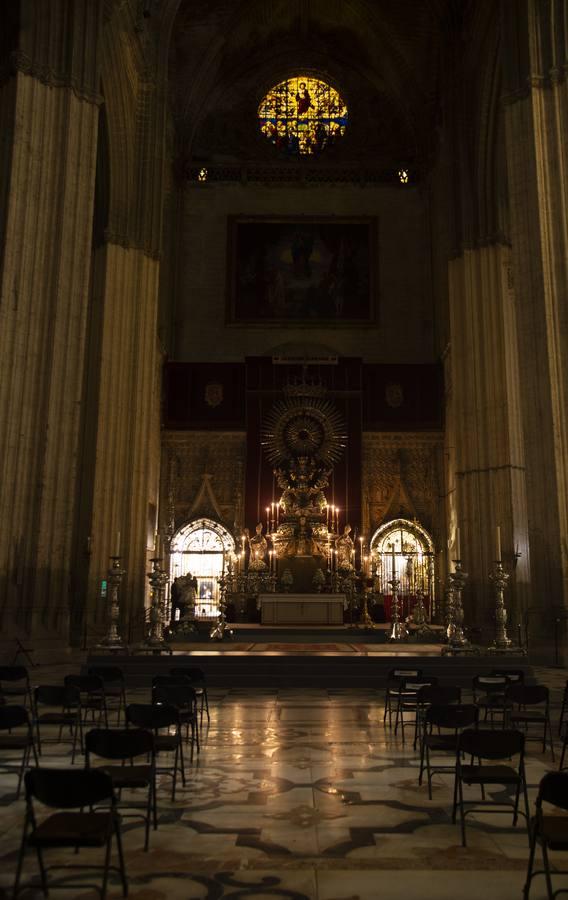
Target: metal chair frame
155,717
69,700
489,696
70,789
527,697
13,674
408,700
93,699
114,687
17,717
432,694
176,691
125,745
395,678
551,832
196,678
453,717
490,745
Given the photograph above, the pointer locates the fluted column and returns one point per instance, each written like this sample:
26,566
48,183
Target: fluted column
536,116
487,459
49,120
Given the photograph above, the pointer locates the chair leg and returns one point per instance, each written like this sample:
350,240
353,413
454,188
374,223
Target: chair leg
120,852
547,871
462,812
563,754
527,887
206,698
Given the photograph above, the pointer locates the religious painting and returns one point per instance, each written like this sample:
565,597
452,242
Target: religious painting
308,271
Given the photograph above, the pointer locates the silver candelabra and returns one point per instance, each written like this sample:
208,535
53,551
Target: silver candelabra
398,630
116,573
499,579
158,579
458,578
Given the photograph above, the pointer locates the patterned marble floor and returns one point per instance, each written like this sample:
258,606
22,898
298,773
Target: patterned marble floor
304,794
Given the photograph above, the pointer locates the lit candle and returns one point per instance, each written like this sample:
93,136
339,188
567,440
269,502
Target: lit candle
498,543
117,544
268,518
458,544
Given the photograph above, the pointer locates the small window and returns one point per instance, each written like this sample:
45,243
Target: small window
302,116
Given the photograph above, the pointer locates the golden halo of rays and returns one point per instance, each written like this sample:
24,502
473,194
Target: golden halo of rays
304,426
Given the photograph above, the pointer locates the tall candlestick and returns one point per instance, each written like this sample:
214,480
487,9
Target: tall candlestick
458,544
497,543
393,564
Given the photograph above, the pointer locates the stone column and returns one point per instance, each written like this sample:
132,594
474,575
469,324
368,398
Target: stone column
488,467
536,116
48,123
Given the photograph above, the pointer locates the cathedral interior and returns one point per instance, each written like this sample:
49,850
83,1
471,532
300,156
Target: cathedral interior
284,325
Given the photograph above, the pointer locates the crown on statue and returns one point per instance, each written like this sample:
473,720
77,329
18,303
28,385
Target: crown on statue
300,387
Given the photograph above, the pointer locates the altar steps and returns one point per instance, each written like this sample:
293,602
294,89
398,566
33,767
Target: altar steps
328,666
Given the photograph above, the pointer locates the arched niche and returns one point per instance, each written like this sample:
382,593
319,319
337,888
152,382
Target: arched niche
406,546
203,548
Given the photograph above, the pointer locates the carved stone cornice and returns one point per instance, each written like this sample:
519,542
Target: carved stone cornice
18,61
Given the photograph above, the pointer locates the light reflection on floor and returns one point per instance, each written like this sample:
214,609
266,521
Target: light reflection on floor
304,794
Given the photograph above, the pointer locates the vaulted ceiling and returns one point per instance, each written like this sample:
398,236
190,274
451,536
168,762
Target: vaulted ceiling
384,55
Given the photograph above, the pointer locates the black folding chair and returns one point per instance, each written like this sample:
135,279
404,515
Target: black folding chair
429,694
395,678
563,709
550,831
494,745
93,700
448,720
16,721
125,745
115,687
176,691
158,718
14,683
533,708
197,680
514,676
489,696
66,790
407,700
64,704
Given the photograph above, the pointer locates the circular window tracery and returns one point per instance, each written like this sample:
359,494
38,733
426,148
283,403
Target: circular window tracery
302,116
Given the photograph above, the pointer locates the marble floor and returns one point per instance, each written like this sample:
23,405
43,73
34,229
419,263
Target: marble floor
304,794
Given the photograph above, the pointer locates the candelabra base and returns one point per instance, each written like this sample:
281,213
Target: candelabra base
398,632
154,645
221,632
460,650
508,650
112,645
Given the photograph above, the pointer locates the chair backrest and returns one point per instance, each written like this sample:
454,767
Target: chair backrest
553,788
441,695
455,716
399,674
152,716
166,680
119,743
180,694
87,684
191,672
515,676
57,695
13,717
416,684
68,788
14,673
109,674
494,744
527,694
490,684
